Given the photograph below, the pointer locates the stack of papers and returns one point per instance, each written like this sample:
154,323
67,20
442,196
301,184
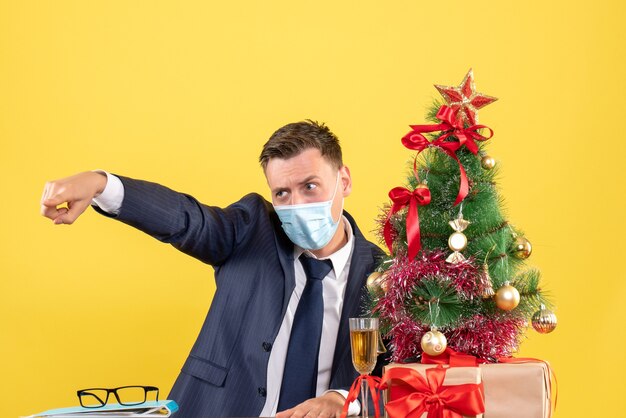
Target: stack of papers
161,409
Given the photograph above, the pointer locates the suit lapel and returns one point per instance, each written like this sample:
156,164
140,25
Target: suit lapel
285,250
361,264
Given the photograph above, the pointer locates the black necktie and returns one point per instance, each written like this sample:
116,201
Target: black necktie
300,375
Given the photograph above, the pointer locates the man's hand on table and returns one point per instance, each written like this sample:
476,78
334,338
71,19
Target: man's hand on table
328,405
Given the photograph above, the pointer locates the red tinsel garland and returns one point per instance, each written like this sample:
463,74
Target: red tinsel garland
481,336
488,338
405,274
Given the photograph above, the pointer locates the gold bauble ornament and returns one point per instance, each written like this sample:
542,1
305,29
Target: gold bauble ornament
383,282
507,297
522,248
487,162
434,342
372,280
544,320
377,281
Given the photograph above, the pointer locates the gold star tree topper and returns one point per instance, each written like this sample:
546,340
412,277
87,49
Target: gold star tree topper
465,100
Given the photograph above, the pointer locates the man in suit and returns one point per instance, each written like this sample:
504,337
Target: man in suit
250,358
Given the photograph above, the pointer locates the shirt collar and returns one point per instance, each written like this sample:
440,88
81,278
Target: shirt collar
339,258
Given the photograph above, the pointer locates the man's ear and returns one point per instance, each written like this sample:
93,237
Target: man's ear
346,181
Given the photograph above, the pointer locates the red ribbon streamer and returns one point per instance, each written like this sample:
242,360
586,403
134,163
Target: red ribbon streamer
402,197
453,127
430,395
373,383
453,358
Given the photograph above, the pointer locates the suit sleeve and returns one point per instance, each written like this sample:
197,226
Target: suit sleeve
207,233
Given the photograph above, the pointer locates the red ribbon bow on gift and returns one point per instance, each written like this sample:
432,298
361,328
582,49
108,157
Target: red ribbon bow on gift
373,383
453,128
402,197
456,359
431,396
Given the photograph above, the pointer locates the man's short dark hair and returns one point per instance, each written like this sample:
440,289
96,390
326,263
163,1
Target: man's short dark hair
292,139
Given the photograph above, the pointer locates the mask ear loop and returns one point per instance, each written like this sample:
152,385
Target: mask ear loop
336,186
332,199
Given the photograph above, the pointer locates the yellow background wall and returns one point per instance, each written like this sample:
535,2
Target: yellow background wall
185,93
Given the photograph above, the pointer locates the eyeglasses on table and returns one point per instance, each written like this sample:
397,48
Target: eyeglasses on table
125,395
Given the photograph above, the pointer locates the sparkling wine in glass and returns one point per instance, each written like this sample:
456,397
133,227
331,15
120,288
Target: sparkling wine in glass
364,341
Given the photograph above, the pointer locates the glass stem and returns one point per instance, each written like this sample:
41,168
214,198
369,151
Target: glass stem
364,389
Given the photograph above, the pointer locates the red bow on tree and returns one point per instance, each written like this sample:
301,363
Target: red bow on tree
453,127
402,197
431,396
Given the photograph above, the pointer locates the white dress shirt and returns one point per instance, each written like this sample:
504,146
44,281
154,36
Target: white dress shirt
334,287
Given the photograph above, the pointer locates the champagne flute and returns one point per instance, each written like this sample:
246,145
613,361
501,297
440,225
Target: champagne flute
365,344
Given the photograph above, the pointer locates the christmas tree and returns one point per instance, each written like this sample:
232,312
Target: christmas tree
455,275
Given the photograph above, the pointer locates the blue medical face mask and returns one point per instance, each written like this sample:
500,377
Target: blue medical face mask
309,225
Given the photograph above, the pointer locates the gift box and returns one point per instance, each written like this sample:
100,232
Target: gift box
517,390
465,381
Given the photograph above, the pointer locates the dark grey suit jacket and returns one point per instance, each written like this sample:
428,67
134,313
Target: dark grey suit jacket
226,371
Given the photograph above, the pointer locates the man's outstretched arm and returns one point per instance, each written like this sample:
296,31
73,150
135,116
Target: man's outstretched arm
207,233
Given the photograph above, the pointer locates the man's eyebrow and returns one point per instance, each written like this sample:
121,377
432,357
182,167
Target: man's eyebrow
309,179
304,181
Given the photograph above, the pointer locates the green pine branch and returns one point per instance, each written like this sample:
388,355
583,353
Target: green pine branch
435,302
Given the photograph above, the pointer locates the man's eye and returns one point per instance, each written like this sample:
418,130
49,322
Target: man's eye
310,186
281,193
